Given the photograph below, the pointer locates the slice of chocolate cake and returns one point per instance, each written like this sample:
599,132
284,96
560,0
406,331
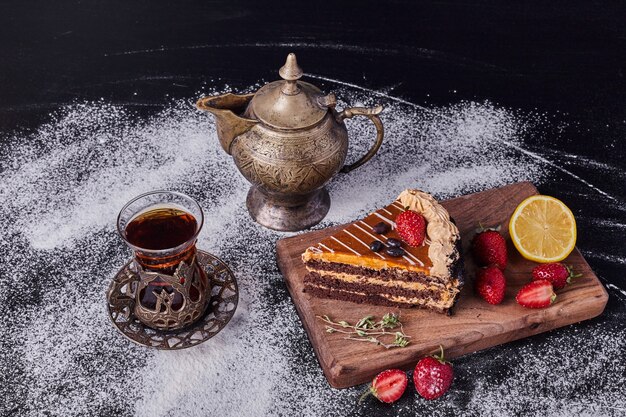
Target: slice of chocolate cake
349,266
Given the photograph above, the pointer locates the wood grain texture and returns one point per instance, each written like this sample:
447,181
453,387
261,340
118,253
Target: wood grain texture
475,325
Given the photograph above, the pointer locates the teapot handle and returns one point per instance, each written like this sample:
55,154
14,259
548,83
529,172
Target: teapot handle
372,114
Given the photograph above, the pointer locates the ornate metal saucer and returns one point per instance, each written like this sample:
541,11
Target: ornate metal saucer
224,296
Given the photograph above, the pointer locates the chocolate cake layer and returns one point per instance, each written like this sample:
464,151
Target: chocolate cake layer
364,298
362,286
387,274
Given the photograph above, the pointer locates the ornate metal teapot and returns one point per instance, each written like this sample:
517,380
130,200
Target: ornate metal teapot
288,140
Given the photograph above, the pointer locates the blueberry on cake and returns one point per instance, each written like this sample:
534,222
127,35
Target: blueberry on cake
406,255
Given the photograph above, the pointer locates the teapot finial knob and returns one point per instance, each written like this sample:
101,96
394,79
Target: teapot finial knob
290,72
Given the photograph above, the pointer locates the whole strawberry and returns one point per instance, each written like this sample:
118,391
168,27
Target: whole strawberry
433,376
557,273
489,247
537,294
411,227
388,386
490,284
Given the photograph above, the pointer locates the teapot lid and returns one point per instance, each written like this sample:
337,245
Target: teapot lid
289,103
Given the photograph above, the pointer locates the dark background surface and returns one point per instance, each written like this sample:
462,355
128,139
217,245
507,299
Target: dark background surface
566,59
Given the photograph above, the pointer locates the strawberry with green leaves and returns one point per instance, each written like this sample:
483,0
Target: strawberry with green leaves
557,273
433,376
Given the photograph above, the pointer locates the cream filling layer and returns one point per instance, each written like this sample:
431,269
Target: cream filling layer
363,261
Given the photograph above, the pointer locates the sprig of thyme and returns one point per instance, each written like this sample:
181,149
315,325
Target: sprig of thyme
369,330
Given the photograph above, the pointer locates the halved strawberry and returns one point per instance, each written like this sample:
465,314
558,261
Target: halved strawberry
537,294
388,386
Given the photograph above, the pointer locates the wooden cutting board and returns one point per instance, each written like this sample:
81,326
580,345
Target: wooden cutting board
475,324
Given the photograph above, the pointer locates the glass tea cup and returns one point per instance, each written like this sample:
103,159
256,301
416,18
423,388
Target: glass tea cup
161,227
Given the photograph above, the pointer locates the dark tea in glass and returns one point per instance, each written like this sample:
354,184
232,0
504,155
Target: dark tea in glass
162,227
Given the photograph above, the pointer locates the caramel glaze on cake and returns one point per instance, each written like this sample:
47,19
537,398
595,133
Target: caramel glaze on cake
342,266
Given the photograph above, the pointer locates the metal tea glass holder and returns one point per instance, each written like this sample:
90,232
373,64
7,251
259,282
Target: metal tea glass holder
170,298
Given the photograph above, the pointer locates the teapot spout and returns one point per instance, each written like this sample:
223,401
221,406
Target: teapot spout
228,110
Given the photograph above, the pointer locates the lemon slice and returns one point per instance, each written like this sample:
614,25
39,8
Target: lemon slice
543,229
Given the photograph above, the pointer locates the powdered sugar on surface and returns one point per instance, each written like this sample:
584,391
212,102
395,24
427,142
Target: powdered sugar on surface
62,186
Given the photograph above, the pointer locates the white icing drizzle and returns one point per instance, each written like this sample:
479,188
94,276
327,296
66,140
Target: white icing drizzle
409,260
327,248
387,211
368,226
397,205
416,258
366,232
383,237
393,224
344,245
315,250
363,243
